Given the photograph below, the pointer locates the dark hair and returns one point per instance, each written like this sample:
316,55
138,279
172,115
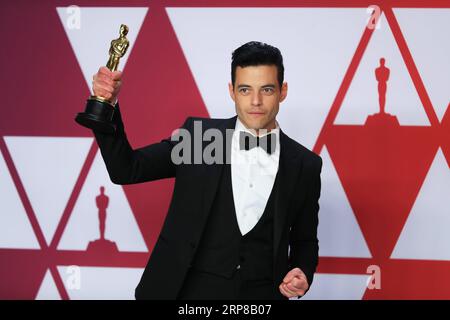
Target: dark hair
255,53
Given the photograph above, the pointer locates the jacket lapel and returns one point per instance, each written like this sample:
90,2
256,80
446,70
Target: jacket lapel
212,173
288,170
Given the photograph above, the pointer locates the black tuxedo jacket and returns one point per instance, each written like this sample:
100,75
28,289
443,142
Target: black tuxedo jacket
295,217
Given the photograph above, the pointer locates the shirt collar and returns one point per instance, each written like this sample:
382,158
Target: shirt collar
241,127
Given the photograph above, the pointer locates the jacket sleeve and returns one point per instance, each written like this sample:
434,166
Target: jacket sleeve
127,166
304,245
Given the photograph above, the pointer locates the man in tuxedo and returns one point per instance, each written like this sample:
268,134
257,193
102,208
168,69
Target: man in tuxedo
244,228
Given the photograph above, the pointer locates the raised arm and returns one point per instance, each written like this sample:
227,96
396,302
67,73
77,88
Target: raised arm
125,165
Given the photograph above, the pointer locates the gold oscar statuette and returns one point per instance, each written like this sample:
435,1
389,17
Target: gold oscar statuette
99,112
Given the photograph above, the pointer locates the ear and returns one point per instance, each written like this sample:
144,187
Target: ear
230,88
284,89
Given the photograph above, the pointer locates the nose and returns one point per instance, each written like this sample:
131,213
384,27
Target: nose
256,99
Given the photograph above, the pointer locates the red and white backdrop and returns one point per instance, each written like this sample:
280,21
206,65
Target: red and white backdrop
385,184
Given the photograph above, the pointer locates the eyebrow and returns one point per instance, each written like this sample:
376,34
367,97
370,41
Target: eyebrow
264,86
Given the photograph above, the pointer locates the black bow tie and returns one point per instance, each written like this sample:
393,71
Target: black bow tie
248,141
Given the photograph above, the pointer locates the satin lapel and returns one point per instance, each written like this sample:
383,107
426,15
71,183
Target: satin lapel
288,171
212,172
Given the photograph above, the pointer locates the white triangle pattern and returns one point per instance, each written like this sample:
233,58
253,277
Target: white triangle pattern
83,224
98,26
424,29
337,287
48,168
15,228
338,231
425,235
102,283
402,99
48,289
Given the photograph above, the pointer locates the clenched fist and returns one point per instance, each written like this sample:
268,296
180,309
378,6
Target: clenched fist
107,83
294,283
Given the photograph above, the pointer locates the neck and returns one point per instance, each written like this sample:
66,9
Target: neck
266,129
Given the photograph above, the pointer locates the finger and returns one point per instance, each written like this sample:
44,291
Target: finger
296,291
104,78
100,86
300,273
290,287
103,94
116,75
289,291
105,85
117,84
104,70
291,274
299,283
293,289
284,291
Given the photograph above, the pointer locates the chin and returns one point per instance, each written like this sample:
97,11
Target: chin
255,126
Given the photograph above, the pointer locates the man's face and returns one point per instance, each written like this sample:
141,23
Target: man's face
257,96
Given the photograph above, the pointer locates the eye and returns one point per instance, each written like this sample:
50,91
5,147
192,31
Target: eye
243,90
268,90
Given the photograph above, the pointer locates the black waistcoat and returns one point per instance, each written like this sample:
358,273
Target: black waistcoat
223,249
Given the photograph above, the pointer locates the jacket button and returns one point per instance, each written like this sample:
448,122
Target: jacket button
238,267
193,245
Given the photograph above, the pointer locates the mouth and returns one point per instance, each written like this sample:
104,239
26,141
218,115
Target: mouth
256,114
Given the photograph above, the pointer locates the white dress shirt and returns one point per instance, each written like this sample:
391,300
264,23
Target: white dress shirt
252,177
